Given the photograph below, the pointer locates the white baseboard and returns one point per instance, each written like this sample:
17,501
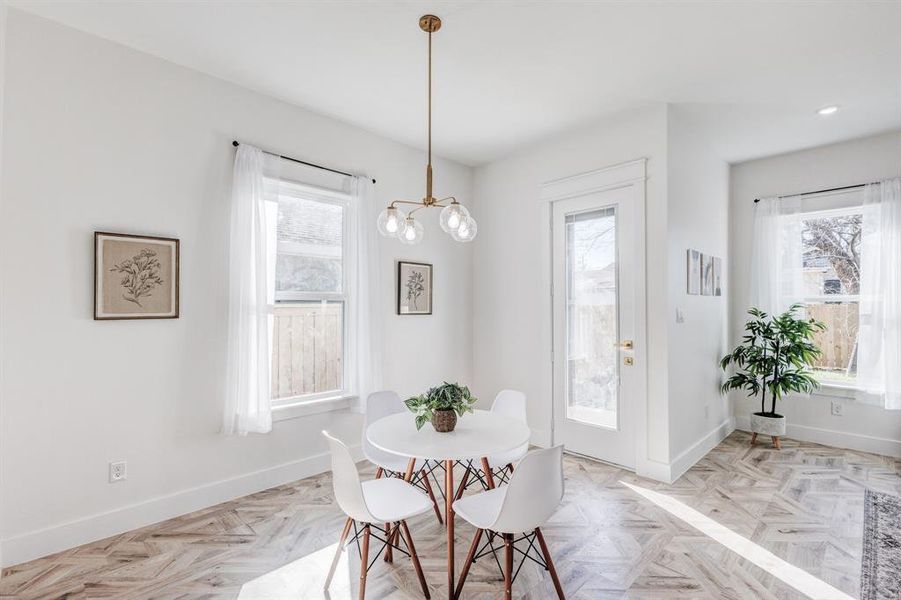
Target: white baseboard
829,437
35,544
698,450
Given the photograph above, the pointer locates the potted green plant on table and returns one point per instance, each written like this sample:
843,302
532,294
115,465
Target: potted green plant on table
441,405
774,359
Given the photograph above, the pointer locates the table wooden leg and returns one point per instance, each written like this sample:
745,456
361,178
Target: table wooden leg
408,476
449,520
486,468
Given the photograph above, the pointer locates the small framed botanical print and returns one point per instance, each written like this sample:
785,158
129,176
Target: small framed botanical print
135,277
414,288
694,272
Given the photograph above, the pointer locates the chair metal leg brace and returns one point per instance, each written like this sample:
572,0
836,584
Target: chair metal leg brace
540,555
365,533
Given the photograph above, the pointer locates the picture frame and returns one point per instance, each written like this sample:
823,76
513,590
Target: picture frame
706,275
717,276
693,272
414,288
135,277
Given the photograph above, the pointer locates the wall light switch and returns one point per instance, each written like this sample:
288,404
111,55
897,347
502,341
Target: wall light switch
680,317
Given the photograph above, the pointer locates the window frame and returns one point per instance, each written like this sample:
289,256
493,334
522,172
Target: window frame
306,404
854,205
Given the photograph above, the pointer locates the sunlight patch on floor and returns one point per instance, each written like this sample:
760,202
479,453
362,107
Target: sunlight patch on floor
302,579
797,578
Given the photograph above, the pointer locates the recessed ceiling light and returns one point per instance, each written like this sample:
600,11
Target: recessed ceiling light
828,110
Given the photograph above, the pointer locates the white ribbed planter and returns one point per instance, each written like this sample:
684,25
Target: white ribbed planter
765,425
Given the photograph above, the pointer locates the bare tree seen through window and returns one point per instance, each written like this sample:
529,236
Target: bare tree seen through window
831,248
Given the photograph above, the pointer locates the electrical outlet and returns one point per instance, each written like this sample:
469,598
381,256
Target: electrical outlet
838,409
117,471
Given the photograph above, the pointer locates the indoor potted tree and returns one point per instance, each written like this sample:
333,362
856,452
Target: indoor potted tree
774,359
441,405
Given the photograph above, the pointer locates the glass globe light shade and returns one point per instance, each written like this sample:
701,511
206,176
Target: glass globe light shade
467,230
451,216
411,233
391,221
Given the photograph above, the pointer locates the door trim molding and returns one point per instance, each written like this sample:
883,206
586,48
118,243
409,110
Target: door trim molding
632,173
599,180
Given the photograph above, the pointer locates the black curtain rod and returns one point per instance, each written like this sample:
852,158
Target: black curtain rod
236,143
835,189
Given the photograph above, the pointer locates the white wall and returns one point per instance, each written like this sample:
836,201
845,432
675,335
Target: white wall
858,161
100,137
512,310
697,214
3,18
687,207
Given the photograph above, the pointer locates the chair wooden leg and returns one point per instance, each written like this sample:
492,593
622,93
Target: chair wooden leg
389,535
508,566
364,561
428,489
469,557
379,472
550,564
462,487
510,468
415,558
753,438
777,443
341,540
489,476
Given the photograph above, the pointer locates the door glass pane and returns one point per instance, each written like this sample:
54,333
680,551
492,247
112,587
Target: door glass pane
591,318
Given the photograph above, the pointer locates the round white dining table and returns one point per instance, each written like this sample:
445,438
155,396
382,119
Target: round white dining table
476,437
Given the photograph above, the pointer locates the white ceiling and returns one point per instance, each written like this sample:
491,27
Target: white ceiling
508,74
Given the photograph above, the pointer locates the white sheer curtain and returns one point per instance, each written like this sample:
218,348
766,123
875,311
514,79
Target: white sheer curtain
776,260
879,345
364,319
247,402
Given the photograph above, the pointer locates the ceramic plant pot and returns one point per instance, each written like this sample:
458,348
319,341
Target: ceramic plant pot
444,420
768,424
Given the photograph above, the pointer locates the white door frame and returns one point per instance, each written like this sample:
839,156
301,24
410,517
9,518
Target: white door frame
632,175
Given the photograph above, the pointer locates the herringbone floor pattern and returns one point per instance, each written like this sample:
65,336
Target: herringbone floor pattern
804,504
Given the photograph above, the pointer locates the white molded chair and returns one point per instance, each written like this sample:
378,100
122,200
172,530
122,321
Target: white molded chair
518,508
387,500
378,406
512,404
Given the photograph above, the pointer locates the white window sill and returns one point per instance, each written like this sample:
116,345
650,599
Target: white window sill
836,390
305,408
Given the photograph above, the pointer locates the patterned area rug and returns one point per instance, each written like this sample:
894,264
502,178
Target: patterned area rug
881,568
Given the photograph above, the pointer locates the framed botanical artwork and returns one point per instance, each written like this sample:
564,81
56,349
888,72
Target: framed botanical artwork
694,272
717,276
135,277
414,288
706,275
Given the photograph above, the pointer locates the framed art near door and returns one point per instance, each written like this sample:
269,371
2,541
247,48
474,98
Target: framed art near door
414,288
135,277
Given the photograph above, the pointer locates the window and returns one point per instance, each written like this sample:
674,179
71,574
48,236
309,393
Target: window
830,259
310,294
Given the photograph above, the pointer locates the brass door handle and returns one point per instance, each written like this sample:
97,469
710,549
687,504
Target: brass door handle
625,345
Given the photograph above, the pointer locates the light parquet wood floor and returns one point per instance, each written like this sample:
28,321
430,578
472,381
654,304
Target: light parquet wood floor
803,504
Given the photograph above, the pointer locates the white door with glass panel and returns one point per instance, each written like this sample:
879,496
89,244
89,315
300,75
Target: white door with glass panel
594,269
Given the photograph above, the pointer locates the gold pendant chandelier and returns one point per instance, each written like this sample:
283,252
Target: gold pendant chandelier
454,219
